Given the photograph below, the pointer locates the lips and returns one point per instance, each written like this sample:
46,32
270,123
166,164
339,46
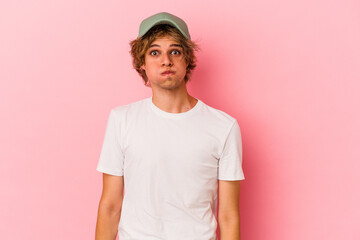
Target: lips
167,72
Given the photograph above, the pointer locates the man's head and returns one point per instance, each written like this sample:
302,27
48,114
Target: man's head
160,26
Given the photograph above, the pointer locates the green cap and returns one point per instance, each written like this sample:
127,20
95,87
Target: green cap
163,18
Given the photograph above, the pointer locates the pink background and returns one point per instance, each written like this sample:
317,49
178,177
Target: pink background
288,71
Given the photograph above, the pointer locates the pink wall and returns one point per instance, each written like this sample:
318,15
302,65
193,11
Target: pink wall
289,72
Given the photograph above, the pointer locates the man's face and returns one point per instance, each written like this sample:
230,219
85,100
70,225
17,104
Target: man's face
165,64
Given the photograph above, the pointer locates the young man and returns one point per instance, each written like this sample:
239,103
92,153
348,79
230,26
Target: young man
173,154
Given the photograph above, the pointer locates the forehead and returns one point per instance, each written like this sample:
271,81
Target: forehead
165,41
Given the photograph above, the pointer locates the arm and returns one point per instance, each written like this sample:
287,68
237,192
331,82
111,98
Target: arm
228,216
109,211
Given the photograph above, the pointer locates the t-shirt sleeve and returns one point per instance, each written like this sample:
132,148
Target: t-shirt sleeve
111,159
230,162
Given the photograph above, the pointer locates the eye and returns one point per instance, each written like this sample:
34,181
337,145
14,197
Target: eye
175,52
154,53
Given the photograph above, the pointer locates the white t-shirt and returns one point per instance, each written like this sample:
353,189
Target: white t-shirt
171,163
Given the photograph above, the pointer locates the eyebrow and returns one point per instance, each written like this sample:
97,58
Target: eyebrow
172,45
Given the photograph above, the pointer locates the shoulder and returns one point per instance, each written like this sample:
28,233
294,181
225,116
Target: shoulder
218,116
124,109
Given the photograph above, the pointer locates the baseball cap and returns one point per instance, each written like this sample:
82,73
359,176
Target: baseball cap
163,18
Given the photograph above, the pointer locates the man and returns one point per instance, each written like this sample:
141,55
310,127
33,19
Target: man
173,154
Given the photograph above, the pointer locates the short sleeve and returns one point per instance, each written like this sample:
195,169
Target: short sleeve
111,159
230,162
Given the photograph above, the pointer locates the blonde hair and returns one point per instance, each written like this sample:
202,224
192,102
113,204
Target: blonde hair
140,46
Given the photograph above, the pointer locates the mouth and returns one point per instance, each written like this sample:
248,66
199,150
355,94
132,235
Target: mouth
167,73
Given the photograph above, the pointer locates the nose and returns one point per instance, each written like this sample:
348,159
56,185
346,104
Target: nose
166,60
